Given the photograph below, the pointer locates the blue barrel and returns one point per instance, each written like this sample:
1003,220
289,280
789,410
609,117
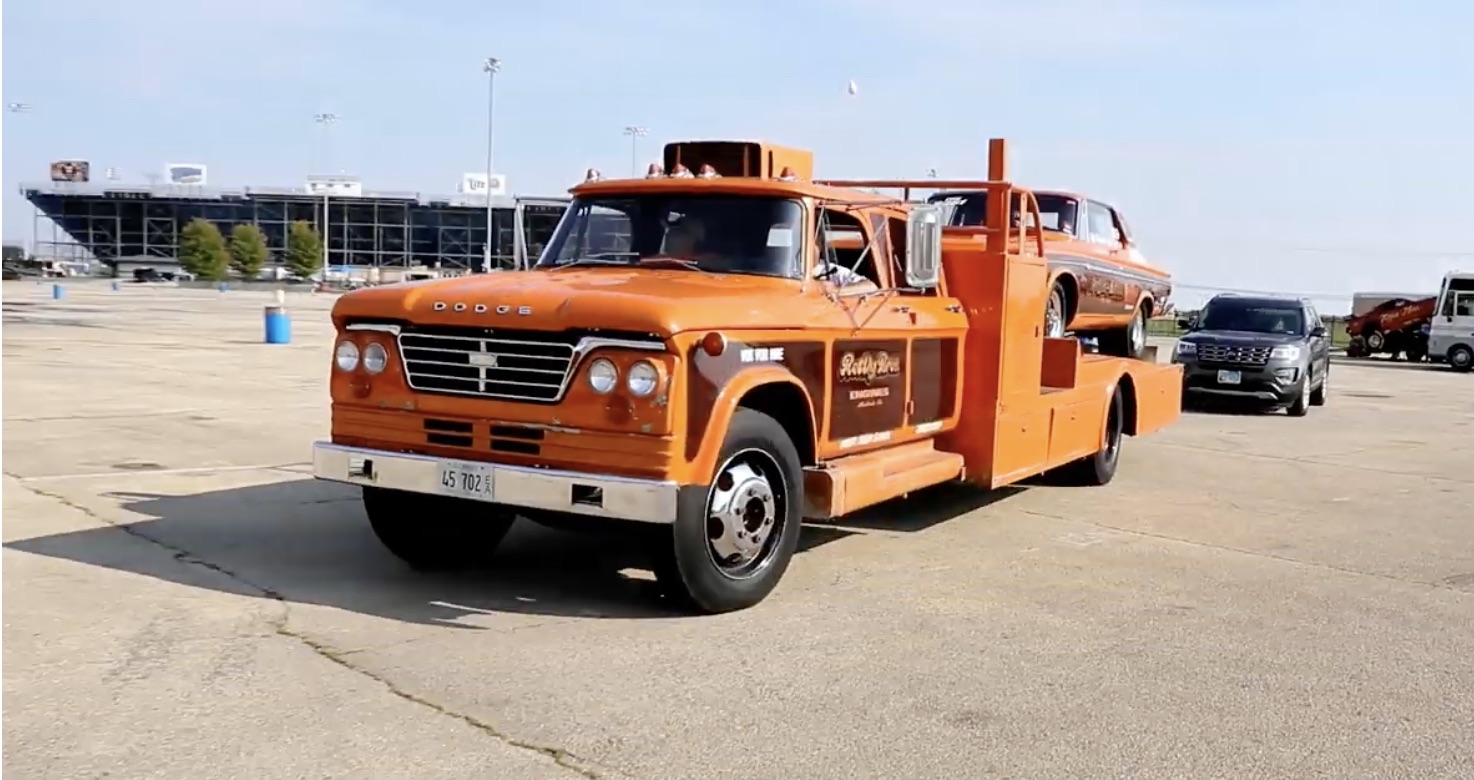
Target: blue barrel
115,287
224,287
278,325
58,292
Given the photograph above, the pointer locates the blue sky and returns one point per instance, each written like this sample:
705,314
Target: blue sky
1300,145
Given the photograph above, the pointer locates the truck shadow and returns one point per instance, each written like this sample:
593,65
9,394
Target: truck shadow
308,542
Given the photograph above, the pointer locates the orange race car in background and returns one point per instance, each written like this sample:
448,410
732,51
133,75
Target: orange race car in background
1100,284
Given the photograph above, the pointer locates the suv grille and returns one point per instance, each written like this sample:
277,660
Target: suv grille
513,365
1237,356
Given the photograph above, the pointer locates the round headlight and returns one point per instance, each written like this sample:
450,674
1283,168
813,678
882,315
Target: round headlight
347,356
602,375
375,358
643,379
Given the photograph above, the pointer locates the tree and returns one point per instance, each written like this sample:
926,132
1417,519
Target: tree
304,250
202,250
248,252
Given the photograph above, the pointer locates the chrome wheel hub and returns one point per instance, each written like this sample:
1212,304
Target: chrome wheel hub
741,515
1054,318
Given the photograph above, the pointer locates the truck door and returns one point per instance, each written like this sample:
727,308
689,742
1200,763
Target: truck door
881,337
533,223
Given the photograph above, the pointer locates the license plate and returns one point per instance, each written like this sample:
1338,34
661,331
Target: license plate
466,480
1229,377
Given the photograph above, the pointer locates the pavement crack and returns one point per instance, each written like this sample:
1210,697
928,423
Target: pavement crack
281,627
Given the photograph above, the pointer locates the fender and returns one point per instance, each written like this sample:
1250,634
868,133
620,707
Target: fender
703,465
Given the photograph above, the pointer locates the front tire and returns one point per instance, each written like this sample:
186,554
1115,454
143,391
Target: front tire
1129,341
1056,312
1301,405
1318,395
431,532
728,551
1460,357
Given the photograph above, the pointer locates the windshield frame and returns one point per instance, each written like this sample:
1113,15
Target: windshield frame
1233,308
577,218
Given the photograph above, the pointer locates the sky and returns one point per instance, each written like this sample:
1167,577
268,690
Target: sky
1302,146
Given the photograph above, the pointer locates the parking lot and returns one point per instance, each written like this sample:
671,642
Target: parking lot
1253,596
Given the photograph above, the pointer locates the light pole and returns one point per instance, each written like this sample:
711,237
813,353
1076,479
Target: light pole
635,132
327,119
490,66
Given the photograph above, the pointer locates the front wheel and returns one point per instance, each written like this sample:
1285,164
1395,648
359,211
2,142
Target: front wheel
729,550
1460,357
431,532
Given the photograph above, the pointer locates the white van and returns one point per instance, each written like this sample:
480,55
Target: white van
1451,333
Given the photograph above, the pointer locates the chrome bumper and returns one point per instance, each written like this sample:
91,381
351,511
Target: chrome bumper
615,498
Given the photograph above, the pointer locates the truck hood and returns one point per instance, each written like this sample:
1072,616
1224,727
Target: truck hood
645,300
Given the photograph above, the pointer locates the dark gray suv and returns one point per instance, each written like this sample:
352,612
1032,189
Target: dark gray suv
1266,349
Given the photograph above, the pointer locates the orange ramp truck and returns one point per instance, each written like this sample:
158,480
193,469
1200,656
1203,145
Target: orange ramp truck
711,354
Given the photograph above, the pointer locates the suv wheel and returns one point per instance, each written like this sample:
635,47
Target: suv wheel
1318,395
1301,405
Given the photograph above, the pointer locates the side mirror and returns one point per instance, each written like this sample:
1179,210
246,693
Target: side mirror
1184,323
1318,332
924,246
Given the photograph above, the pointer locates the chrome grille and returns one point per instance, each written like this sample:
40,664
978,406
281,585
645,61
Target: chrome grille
1233,355
518,366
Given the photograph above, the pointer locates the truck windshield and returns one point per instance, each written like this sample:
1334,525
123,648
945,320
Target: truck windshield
971,209
737,234
1253,318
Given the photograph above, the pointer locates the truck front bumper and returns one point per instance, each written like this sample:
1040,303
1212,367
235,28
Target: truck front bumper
593,495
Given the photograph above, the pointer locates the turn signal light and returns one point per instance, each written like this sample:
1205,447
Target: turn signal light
714,344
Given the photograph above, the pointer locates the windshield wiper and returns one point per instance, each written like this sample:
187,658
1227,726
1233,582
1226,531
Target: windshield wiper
599,258
690,265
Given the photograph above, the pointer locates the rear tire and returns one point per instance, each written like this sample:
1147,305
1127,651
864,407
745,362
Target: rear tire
728,551
431,532
1100,468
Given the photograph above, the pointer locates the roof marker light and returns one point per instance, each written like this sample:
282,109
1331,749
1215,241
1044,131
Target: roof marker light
655,171
707,172
593,175
787,174
680,172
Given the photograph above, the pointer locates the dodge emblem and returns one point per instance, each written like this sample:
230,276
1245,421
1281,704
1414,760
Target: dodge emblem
482,308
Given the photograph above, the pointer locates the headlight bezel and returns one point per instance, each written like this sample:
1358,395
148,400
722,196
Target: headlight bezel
347,348
1186,349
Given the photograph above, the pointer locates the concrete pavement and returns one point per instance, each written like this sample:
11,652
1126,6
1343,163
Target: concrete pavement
1253,596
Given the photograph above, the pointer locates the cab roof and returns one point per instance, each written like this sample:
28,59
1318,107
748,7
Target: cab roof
736,186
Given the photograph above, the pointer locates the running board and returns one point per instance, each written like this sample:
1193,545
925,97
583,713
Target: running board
842,486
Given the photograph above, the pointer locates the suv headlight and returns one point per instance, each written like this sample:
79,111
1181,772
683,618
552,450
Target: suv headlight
1285,352
603,375
346,356
643,379
1185,348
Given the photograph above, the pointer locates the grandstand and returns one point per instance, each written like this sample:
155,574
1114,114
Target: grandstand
138,224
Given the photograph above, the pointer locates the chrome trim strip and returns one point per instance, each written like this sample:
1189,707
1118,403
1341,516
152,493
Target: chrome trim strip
376,327
1264,395
608,497
1076,261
